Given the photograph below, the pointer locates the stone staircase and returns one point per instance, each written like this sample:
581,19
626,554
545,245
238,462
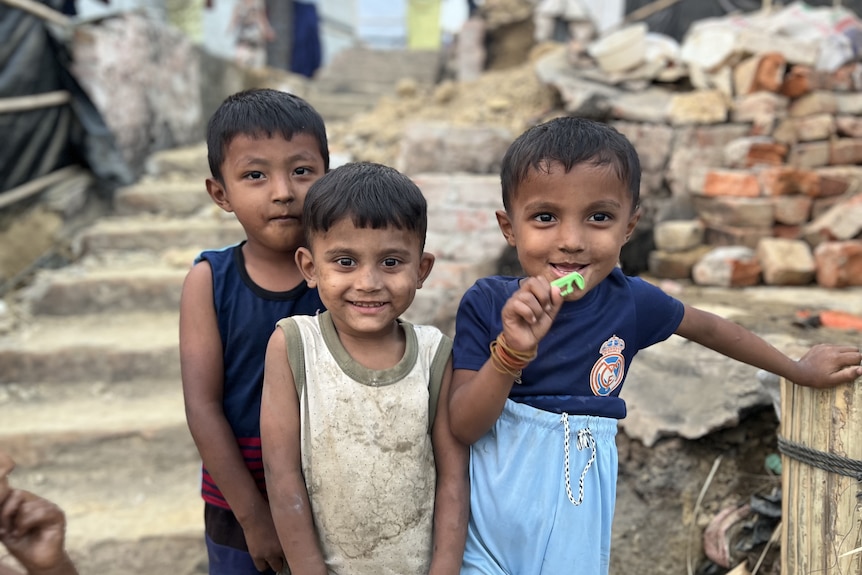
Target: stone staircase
356,79
91,403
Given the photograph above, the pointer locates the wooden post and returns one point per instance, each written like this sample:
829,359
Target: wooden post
821,509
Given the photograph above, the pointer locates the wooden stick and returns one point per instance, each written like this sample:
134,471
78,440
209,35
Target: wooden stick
645,12
34,101
40,10
9,197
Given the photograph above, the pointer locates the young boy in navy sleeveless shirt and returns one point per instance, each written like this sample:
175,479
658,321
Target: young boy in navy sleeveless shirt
265,149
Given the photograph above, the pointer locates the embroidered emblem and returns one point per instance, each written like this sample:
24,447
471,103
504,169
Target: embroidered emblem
608,371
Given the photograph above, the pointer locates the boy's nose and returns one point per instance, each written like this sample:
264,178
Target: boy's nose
367,279
283,190
571,239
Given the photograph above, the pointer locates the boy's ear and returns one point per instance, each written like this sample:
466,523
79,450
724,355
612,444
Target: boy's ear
218,194
305,263
425,265
506,227
633,222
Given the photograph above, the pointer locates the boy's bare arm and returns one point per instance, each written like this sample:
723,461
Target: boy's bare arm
478,397
823,366
280,440
452,501
203,385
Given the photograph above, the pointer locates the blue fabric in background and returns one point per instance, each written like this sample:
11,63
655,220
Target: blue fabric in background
306,55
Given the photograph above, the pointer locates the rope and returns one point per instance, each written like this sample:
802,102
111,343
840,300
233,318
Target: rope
823,460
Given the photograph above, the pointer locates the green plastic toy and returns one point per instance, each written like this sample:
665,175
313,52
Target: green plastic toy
567,283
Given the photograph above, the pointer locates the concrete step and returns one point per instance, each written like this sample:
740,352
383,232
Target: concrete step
179,197
123,489
189,162
77,290
384,65
98,348
158,234
341,106
339,85
119,459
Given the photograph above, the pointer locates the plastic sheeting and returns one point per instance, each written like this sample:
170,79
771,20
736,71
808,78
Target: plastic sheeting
37,142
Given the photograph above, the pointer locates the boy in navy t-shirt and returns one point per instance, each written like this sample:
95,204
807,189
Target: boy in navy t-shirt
538,375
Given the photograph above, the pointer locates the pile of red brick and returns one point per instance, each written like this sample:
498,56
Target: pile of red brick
784,205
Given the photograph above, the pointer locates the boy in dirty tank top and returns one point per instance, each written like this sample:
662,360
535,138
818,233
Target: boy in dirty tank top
265,148
364,475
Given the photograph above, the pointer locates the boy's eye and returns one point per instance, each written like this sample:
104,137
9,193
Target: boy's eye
600,218
390,262
544,218
255,175
344,262
302,171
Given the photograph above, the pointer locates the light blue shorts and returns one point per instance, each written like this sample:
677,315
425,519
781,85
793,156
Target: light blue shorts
526,518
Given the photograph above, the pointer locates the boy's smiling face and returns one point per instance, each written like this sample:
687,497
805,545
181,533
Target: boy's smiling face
561,222
366,277
265,183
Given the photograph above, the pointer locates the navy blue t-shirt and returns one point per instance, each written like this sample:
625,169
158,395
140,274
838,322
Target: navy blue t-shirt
583,360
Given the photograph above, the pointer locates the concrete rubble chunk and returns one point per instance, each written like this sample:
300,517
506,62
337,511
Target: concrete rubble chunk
839,264
698,107
762,109
814,127
845,151
785,262
652,142
580,96
848,103
820,102
678,235
748,236
446,147
675,265
843,221
723,211
810,154
850,126
727,266
792,210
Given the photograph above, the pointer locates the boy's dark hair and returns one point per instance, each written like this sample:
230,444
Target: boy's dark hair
570,141
262,113
371,195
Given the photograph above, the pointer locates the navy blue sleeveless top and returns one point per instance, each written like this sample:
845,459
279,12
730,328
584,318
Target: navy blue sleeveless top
246,315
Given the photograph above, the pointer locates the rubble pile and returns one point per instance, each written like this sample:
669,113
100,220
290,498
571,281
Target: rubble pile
750,139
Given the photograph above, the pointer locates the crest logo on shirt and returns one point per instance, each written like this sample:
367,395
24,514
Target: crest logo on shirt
608,371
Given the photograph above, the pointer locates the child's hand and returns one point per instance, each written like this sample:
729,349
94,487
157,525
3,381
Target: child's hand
263,544
828,365
529,313
33,529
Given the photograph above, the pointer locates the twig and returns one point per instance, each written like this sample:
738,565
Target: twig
697,505
772,539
